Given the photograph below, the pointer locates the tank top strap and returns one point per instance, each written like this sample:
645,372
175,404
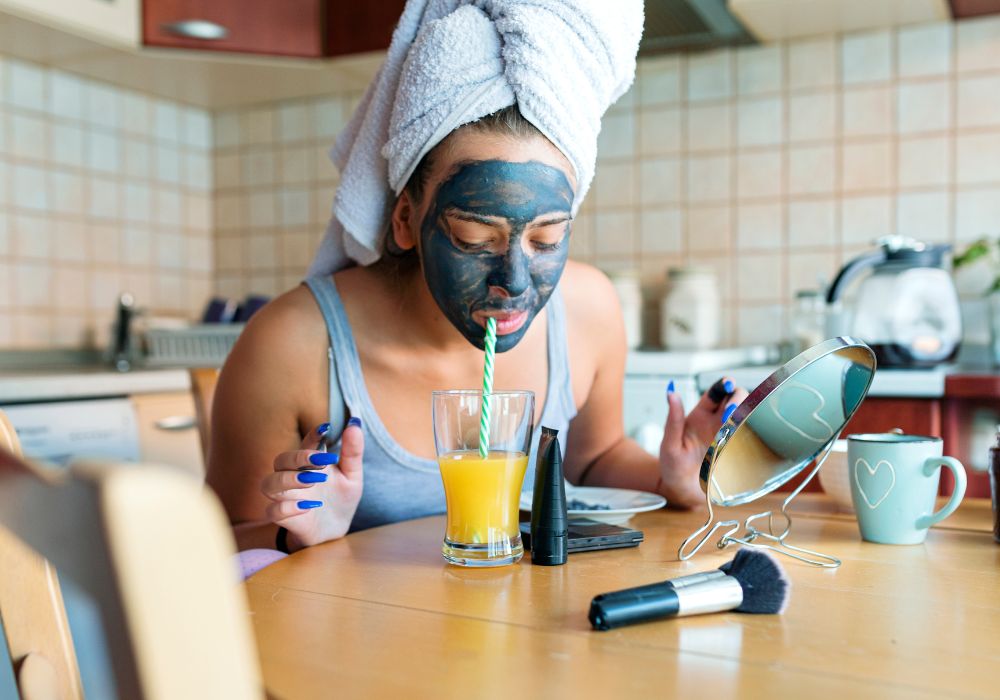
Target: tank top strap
344,389
560,407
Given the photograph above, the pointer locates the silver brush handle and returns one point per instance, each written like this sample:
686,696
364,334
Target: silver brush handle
714,595
695,579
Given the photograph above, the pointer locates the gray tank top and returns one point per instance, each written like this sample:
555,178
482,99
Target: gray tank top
398,484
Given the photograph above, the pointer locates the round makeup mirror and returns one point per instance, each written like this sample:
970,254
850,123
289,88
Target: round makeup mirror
788,421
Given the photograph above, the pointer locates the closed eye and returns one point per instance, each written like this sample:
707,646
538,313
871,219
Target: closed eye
549,236
474,235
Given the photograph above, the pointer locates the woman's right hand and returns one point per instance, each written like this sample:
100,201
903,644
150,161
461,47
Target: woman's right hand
314,494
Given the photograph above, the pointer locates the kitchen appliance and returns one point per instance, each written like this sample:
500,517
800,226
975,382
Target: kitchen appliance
907,310
60,431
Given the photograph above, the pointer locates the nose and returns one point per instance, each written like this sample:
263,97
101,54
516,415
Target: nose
512,276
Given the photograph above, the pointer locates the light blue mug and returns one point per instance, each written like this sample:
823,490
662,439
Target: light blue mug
894,484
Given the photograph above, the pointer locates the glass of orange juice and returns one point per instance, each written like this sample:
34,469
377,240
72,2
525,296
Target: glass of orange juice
482,494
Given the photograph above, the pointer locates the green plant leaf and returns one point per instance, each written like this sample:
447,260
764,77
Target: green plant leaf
975,251
996,286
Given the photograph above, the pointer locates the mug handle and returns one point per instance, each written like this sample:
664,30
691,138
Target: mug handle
958,471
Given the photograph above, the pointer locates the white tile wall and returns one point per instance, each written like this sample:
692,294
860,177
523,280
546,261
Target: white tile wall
792,156
89,189
768,164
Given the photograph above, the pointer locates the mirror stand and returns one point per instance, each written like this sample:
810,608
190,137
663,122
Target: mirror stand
751,534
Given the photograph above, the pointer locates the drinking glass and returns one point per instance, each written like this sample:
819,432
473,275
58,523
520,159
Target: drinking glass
482,494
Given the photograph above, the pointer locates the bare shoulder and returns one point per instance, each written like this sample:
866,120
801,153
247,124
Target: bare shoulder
287,326
591,302
284,345
594,327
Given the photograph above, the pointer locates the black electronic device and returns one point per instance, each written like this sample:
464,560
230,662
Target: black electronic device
586,535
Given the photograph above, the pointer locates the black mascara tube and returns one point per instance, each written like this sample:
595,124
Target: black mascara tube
656,601
549,520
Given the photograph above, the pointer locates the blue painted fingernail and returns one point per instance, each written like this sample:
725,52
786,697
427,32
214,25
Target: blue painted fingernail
728,412
670,387
312,477
306,505
729,386
355,421
321,430
323,459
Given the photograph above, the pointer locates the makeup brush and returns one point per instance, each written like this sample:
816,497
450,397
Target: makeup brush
753,582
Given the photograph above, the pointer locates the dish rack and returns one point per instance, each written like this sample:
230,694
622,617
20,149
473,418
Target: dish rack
205,345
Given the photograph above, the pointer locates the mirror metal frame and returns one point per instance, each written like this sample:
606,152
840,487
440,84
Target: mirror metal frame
752,535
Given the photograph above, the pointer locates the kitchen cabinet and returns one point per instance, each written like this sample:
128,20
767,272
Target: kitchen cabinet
357,27
114,22
300,28
275,27
168,430
971,418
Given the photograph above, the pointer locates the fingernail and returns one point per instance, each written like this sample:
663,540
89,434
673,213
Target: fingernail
355,421
321,430
323,459
728,412
729,386
670,387
306,505
312,477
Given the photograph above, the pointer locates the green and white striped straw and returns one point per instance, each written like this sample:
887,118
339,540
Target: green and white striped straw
484,412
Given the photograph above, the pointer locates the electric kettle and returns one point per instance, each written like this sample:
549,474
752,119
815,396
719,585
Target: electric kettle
907,309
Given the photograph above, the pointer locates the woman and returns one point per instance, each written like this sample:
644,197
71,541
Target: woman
480,227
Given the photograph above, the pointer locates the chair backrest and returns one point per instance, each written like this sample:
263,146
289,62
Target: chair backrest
32,611
153,550
203,381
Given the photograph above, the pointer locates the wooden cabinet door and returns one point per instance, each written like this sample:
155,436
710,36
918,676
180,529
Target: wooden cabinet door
275,27
168,431
357,27
880,415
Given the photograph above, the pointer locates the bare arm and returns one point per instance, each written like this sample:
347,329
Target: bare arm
258,410
598,452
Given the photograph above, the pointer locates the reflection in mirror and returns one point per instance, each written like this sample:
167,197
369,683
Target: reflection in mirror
788,421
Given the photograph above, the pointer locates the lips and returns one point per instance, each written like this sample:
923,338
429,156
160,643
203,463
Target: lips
507,321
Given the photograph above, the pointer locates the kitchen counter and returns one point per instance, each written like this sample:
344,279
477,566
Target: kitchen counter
92,381
911,383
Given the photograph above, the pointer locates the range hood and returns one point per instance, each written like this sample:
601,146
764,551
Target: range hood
681,25
678,25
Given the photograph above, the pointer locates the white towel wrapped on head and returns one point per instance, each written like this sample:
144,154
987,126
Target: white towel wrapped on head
451,62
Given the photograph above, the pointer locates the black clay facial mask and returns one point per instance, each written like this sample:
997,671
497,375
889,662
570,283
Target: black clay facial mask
494,243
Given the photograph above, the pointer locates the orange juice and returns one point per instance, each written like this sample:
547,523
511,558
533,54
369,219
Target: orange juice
482,496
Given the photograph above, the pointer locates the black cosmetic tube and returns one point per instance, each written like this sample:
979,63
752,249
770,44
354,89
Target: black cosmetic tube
549,521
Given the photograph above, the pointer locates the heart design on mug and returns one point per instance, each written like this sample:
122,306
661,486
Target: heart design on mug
871,472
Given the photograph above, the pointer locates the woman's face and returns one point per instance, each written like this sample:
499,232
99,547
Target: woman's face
494,235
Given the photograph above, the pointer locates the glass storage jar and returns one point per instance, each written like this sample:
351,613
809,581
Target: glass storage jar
689,312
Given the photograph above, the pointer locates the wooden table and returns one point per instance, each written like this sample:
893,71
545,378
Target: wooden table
379,614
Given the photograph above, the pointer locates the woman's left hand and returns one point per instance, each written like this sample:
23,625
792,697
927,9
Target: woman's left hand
686,438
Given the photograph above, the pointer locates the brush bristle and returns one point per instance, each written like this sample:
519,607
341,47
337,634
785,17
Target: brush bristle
765,585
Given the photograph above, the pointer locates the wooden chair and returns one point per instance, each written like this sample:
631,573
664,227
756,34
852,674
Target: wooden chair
153,550
203,381
32,611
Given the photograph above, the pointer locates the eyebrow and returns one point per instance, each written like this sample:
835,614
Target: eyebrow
495,222
558,219
499,221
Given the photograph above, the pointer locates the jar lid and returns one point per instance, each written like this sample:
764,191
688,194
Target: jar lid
687,272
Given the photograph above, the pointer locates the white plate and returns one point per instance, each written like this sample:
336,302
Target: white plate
622,503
